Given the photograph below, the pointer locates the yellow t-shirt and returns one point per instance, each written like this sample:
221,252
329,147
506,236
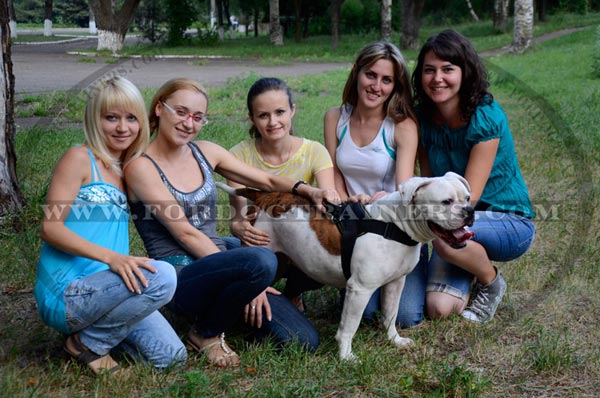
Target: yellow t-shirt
311,158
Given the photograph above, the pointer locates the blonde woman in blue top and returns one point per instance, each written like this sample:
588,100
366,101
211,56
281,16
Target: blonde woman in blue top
88,286
465,131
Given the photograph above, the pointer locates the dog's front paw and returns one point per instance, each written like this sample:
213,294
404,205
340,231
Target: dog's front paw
402,342
349,358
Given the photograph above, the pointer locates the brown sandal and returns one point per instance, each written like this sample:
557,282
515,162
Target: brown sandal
98,364
227,357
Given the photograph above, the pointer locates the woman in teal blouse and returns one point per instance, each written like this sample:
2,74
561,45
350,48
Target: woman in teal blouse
465,131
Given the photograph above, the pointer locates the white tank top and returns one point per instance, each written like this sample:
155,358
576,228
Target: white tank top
370,168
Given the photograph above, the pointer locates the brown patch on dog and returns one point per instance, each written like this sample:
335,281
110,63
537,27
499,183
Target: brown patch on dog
277,203
274,203
327,232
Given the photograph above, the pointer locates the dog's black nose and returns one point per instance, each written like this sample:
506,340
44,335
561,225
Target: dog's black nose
469,213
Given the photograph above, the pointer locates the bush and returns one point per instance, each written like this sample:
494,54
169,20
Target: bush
207,37
360,16
577,6
149,17
180,15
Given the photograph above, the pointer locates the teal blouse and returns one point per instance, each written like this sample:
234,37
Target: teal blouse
449,149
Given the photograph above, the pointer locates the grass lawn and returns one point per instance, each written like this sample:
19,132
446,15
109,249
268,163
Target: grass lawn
543,341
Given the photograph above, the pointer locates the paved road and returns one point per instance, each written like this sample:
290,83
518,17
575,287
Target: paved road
48,67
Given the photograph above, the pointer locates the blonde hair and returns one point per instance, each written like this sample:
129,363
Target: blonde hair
166,90
114,93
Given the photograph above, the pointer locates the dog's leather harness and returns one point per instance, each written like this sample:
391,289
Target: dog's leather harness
353,220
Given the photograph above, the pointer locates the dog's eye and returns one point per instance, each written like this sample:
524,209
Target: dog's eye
447,202
468,198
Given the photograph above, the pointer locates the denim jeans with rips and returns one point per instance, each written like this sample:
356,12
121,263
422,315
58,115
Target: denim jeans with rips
504,236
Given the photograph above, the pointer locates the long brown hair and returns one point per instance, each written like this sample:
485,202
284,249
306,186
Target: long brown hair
399,104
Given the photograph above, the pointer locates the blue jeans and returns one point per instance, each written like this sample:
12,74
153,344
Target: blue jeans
213,290
504,236
287,323
412,300
105,314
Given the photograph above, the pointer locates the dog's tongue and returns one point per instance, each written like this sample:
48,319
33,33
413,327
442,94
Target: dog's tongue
463,234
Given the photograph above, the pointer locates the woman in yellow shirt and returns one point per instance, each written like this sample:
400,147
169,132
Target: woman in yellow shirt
274,149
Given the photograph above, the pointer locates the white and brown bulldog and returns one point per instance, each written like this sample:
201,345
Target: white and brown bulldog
423,208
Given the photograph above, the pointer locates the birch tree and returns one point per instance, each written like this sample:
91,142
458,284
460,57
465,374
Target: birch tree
523,26
472,11
275,32
11,199
386,20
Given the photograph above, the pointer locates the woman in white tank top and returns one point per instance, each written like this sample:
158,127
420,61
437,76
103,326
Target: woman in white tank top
372,140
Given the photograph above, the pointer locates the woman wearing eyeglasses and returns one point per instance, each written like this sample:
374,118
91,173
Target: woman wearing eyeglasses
173,199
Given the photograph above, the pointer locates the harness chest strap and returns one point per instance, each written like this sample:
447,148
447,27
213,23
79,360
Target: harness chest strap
353,221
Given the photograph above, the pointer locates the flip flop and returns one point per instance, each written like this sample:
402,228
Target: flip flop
228,354
92,360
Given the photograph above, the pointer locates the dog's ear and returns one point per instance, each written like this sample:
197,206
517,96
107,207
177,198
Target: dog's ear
459,178
409,188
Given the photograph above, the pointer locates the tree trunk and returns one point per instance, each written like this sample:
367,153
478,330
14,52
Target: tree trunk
472,11
93,29
213,19
523,29
411,13
220,23
226,13
298,21
501,15
48,18
12,19
542,5
256,11
11,199
274,25
112,23
336,6
386,20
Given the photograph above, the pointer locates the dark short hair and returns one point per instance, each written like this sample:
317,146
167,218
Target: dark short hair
261,86
451,46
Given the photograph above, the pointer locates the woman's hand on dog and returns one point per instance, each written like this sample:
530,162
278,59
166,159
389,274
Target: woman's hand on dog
253,312
320,196
249,235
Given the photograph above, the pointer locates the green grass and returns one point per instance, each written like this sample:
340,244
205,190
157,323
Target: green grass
543,341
